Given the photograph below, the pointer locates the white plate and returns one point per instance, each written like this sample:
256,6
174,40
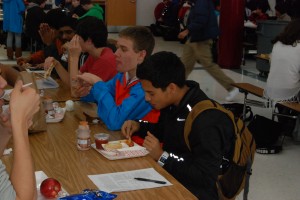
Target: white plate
57,119
126,152
39,177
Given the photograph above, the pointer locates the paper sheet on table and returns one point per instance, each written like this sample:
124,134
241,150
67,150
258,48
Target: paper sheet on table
124,181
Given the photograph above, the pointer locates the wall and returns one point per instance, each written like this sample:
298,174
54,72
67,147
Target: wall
145,11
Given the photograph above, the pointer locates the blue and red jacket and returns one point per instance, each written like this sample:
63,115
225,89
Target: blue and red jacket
119,101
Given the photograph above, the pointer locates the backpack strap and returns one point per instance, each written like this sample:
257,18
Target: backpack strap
197,110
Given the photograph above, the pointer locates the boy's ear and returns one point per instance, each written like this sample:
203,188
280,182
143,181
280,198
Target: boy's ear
172,87
142,55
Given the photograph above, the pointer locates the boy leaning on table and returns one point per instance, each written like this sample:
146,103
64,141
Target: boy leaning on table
122,98
163,79
24,103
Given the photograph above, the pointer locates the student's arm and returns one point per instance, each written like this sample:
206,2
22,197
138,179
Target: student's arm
113,115
74,51
23,104
61,71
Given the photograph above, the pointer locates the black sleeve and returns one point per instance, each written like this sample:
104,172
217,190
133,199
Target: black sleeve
198,169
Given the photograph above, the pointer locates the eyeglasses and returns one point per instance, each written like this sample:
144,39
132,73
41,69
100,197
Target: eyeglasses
67,32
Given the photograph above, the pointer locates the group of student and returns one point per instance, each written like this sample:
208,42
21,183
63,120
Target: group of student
138,93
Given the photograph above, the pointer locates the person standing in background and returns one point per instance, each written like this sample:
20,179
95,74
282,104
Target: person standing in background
12,23
281,12
202,29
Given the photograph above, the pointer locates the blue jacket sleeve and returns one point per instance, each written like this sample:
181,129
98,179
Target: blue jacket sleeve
113,115
110,86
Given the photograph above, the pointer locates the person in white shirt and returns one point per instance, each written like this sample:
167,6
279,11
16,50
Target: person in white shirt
24,103
283,83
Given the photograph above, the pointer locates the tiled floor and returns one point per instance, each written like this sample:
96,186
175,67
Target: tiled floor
275,177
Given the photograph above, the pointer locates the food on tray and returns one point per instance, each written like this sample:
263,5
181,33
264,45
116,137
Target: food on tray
113,145
129,142
119,144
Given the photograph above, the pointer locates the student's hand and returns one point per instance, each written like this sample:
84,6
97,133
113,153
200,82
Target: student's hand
47,34
152,144
80,87
48,62
129,127
74,48
75,16
21,60
183,34
24,103
89,78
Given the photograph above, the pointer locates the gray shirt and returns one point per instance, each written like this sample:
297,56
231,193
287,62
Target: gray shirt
7,191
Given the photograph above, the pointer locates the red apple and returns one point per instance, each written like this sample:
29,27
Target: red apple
50,188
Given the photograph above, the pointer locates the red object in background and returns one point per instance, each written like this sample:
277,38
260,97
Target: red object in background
50,188
231,36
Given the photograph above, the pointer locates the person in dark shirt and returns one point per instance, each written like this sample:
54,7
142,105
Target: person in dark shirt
211,137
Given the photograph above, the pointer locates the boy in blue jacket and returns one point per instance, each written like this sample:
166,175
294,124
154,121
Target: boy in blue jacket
122,98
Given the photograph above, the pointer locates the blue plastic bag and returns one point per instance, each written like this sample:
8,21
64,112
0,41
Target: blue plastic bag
90,195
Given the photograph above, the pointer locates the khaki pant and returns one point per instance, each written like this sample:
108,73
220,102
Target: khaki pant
201,52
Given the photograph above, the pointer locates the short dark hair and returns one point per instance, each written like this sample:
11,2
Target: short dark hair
93,28
68,21
161,69
53,17
281,8
290,34
263,6
38,2
142,38
85,2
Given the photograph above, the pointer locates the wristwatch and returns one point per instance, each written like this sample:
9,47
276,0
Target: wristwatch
161,161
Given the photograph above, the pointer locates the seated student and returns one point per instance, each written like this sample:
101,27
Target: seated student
92,9
259,13
24,103
122,98
283,83
50,38
212,135
280,11
91,37
77,9
66,31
